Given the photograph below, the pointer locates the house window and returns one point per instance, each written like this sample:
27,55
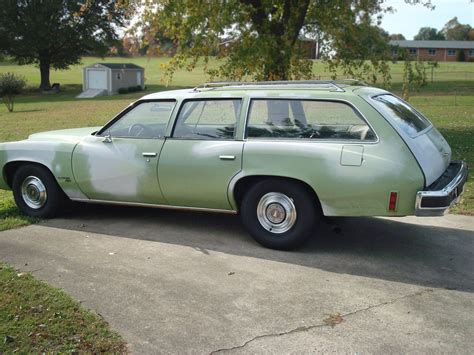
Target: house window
412,51
394,52
431,51
451,52
471,53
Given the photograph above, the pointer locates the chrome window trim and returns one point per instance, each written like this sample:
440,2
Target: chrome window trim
312,140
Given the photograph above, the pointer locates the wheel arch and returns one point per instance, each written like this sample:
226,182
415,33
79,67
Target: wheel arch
241,184
11,167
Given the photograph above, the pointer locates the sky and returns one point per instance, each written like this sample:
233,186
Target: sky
408,19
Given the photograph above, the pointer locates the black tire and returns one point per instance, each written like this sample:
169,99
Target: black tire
55,198
307,213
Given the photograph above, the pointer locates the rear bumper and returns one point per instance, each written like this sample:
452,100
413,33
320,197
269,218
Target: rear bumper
444,192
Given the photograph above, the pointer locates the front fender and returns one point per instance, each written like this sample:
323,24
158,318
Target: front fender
55,156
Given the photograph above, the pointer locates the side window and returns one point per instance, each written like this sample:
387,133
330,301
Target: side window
306,119
208,119
146,120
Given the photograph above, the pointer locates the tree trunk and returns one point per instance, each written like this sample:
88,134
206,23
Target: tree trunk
44,70
279,66
8,101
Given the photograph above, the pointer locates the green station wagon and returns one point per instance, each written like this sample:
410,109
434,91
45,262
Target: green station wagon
281,154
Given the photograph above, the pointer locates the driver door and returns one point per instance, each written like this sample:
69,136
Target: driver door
120,163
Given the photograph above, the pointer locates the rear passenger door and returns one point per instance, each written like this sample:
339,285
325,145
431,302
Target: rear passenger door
202,155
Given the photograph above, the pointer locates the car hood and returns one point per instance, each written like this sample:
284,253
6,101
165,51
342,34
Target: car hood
64,135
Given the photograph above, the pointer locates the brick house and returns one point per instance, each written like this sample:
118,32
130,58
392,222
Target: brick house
440,51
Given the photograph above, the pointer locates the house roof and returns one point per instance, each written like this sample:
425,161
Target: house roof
434,44
120,65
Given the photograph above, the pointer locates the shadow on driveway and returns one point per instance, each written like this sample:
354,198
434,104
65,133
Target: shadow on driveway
372,247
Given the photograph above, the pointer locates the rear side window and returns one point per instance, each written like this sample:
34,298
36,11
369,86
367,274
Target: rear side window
208,119
306,119
400,112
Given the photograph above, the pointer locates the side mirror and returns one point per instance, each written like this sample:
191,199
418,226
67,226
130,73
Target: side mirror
107,138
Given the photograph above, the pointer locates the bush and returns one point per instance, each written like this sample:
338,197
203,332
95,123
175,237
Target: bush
130,89
135,88
10,86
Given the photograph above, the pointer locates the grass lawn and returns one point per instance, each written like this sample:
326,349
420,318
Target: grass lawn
36,318
446,71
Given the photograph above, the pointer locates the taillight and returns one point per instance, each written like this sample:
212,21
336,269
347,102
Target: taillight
392,202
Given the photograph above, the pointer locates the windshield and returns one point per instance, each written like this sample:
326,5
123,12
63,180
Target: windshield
400,112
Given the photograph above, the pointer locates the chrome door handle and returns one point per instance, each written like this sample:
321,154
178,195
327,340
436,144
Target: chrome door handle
227,157
149,154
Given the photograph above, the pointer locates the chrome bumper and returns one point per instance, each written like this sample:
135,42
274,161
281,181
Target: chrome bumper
444,192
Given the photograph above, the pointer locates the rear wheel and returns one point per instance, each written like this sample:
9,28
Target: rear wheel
279,214
36,192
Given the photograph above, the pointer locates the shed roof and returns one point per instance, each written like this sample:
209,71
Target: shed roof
120,65
434,44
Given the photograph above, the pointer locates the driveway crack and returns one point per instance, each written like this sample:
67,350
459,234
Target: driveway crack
323,324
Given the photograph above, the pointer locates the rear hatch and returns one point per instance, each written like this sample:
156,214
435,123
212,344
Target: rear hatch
424,140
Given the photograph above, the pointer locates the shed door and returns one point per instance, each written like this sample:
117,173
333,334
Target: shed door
97,79
139,78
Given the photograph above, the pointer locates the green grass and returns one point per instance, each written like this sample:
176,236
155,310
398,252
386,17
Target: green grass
10,216
37,318
153,71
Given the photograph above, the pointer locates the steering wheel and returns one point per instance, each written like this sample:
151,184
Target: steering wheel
138,130
315,134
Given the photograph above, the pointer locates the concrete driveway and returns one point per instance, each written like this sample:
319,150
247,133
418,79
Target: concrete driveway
179,282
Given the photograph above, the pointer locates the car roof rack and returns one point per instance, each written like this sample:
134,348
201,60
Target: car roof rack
335,85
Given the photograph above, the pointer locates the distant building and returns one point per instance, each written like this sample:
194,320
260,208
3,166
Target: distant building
440,51
107,78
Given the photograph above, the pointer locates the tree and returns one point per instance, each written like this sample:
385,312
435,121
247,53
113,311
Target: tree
397,37
10,86
454,31
266,33
429,34
56,33
470,35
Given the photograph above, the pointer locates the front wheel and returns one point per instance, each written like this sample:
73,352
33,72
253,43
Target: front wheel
36,192
279,214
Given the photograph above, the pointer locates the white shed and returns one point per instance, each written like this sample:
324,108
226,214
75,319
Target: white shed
107,78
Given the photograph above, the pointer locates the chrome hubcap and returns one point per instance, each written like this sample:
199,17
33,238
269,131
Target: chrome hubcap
276,212
33,192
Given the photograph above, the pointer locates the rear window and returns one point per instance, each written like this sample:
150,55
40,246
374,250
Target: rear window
400,112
